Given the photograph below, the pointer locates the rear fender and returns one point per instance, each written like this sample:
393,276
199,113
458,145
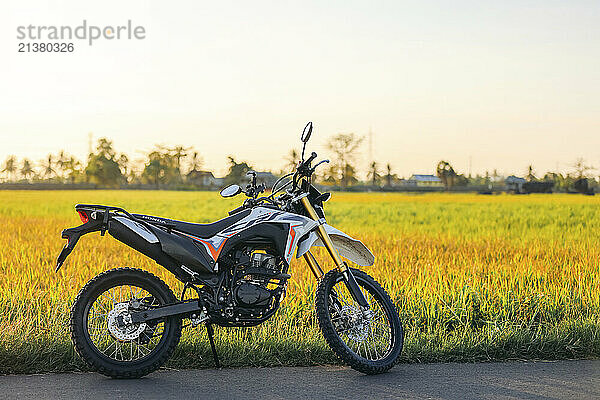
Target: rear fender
73,234
348,247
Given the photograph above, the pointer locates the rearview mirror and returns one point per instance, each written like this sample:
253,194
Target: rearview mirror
306,132
231,190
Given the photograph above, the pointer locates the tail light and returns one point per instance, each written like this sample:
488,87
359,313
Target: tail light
83,216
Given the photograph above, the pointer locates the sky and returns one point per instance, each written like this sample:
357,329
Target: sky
485,85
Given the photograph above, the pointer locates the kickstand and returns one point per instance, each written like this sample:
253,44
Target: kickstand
210,331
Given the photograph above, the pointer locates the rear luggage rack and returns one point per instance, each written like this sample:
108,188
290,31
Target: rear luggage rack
91,223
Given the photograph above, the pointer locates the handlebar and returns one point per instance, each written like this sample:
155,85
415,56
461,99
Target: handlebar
304,166
312,170
252,191
251,202
313,155
303,170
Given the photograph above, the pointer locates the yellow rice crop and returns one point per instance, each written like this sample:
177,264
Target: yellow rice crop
475,277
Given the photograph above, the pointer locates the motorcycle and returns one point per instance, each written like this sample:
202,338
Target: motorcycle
125,322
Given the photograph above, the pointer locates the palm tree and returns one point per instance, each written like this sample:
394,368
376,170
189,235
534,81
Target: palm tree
292,160
388,176
374,174
330,175
495,175
178,153
48,167
123,162
26,169
10,166
61,164
196,162
349,176
581,168
531,174
72,166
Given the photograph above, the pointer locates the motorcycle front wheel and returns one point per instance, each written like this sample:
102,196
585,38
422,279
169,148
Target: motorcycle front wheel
111,347
368,341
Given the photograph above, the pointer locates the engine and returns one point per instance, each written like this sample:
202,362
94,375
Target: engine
251,289
256,284
254,277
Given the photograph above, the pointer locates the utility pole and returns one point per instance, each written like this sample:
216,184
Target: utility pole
470,163
90,139
371,144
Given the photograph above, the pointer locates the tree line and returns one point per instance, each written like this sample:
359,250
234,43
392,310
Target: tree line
180,165
172,166
580,171
105,167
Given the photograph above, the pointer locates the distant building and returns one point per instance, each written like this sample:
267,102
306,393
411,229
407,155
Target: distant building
204,179
424,181
515,184
219,182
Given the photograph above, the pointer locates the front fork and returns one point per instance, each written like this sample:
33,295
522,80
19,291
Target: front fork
340,264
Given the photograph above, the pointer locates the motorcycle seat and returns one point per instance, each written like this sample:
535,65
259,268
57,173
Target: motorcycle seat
199,230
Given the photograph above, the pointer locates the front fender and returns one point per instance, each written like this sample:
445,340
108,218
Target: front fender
348,247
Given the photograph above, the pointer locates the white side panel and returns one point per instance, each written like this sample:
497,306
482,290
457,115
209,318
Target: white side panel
138,228
348,247
298,224
306,244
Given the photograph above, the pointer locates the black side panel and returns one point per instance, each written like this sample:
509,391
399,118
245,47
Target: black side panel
272,233
152,250
185,251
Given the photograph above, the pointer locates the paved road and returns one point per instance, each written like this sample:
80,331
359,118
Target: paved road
514,380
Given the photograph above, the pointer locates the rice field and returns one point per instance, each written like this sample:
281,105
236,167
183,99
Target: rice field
474,277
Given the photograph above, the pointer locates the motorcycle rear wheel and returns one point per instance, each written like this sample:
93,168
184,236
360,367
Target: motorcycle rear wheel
123,352
370,344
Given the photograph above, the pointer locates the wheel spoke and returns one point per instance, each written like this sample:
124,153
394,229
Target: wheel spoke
369,338
126,343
